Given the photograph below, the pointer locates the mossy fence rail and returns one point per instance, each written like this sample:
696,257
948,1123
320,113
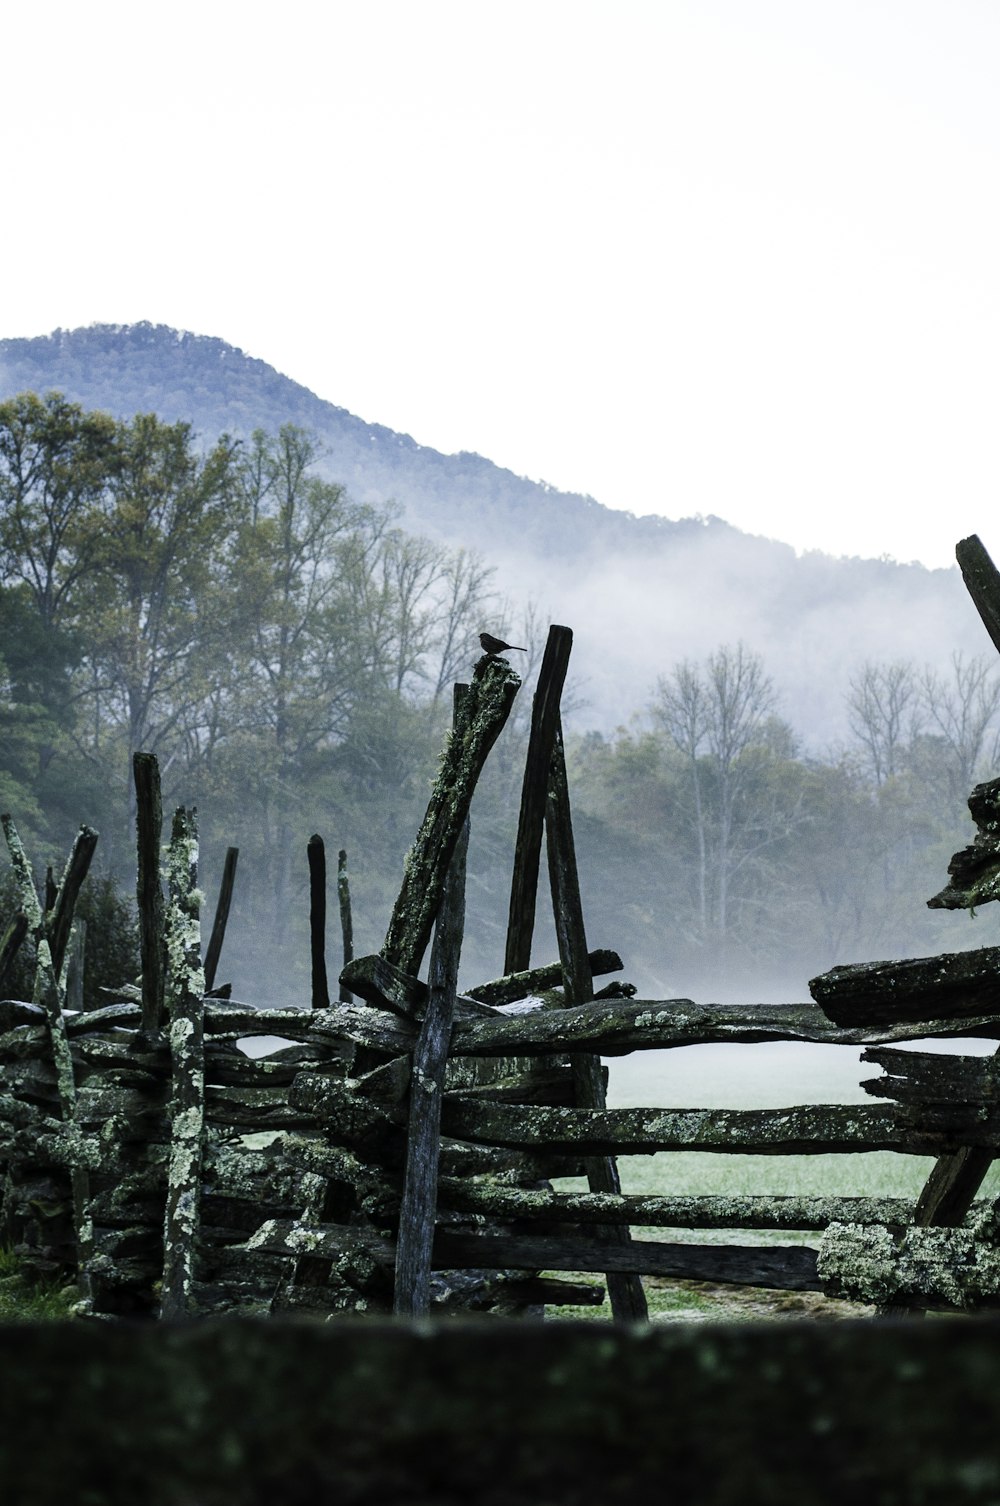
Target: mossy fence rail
397,1153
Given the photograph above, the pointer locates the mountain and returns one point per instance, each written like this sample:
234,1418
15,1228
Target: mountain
639,592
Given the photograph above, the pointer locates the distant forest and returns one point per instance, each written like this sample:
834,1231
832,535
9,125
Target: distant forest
288,653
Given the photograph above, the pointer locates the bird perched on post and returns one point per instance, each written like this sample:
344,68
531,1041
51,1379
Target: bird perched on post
493,645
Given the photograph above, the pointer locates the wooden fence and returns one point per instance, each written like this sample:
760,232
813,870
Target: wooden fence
398,1152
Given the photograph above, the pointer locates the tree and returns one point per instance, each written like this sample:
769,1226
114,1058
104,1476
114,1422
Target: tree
883,705
962,712
743,801
159,546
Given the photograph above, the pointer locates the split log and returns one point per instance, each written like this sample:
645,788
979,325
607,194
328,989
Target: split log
811,1130
13,936
316,855
528,846
59,923
218,934
353,1023
622,1026
982,581
411,1297
346,922
513,987
791,1269
628,1300
384,985
482,717
513,1204
950,987
149,895
186,984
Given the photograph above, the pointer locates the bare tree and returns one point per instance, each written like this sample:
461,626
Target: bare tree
716,719
884,708
963,710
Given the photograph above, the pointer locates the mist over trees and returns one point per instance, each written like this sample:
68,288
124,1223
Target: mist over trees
288,653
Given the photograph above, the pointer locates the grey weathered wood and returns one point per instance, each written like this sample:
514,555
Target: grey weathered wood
982,581
186,987
59,923
951,986
513,987
149,894
316,853
809,1130
383,985
528,847
13,936
792,1269
214,950
974,872
411,1297
484,713
735,1211
346,920
354,1023
75,963
628,1300
622,1026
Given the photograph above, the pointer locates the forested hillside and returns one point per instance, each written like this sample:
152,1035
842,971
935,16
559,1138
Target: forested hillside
286,646
639,591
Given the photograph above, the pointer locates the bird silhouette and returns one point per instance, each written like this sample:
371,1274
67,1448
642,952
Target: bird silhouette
493,645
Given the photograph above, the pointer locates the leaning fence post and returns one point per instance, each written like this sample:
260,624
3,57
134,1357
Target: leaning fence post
483,713
528,847
418,1208
149,895
218,935
187,1059
628,1300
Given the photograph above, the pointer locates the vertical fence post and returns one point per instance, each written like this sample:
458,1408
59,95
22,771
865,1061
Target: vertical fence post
628,1299
418,1208
186,983
149,894
346,923
316,853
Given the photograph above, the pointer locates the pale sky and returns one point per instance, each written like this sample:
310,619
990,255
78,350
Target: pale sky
736,257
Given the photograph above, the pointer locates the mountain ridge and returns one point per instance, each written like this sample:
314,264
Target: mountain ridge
641,591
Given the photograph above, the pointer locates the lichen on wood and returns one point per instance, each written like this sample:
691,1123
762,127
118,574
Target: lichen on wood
483,714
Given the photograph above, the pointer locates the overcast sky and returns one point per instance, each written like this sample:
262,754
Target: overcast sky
727,256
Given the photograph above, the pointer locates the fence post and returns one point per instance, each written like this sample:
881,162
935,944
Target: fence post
346,925
316,853
427,1074
531,819
215,940
149,894
628,1299
484,712
187,1061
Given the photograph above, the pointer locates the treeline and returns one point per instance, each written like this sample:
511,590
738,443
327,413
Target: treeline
737,861
286,653
289,654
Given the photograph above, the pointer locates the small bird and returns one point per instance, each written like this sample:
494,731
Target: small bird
493,645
